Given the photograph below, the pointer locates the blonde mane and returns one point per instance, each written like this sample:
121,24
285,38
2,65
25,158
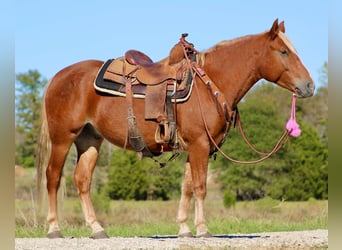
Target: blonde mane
220,45
226,43
287,41
223,43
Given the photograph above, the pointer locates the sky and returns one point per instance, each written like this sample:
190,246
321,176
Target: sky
50,35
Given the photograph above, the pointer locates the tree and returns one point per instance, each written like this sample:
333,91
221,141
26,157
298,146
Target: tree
29,88
315,109
308,166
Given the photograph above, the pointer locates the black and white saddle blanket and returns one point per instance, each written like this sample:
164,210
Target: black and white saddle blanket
106,83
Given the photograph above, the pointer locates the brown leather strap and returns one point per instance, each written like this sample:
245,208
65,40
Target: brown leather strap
221,103
133,133
222,106
128,85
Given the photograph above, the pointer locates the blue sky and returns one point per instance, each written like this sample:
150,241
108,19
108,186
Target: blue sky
50,35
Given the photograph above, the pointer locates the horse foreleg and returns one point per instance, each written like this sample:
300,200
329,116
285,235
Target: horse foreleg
199,167
82,177
53,177
184,203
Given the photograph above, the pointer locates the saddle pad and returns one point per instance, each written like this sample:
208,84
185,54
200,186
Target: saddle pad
104,85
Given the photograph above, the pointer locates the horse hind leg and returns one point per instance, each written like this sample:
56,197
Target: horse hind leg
53,176
88,144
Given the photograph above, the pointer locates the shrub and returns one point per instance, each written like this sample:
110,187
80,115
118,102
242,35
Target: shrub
267,205
229,199
132,179
101,203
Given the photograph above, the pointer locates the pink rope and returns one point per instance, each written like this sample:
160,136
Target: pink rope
292,125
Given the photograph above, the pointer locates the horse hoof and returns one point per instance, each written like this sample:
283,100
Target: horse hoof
55,235
204,235
185,235
99,235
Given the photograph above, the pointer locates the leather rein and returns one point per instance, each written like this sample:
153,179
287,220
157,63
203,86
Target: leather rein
223,108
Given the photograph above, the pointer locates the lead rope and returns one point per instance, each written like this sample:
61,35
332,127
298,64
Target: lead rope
291,126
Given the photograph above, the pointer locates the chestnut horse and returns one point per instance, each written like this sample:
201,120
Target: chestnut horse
73,112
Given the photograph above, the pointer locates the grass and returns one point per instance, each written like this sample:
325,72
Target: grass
146,218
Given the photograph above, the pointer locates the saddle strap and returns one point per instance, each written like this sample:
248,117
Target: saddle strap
171,119
222,106
134,135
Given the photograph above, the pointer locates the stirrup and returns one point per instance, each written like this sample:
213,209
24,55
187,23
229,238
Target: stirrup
162,134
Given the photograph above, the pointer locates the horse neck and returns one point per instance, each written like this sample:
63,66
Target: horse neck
233,66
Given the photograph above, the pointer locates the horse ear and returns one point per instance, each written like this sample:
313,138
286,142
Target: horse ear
274,30
282,27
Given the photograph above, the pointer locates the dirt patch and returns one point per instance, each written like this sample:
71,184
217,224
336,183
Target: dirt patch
317,239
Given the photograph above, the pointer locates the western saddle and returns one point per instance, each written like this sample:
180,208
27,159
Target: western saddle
158,82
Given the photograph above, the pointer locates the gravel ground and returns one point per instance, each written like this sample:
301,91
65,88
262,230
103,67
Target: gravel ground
316,239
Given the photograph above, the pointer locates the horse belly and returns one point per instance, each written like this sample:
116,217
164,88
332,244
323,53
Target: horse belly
111,122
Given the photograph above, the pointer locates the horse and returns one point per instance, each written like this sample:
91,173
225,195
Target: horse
74,112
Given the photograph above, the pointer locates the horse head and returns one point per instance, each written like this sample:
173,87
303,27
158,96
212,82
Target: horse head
282,64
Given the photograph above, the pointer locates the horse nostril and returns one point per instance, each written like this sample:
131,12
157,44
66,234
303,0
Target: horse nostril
310,85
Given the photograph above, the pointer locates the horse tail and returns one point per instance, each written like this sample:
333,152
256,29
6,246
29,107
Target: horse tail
43,155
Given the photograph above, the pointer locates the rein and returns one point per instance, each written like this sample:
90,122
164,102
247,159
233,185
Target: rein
244,136
282,140
291,129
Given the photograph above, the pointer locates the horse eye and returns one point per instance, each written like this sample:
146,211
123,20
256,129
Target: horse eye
284,52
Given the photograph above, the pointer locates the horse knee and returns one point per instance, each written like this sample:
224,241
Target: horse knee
187,188
187,192
200,191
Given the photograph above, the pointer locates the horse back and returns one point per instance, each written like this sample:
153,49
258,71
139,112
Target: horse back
82,68
72,80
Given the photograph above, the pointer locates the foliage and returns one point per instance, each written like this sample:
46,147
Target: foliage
28,102
267,205
229,199
25,184
308,174
101,202
131,178
315,109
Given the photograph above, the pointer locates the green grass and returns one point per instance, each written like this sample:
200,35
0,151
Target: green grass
147,218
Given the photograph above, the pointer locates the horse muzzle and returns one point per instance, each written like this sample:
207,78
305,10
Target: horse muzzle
305,90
